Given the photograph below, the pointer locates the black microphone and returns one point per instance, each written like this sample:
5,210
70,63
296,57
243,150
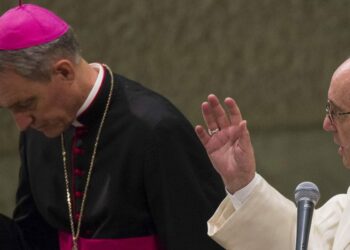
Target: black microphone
306,197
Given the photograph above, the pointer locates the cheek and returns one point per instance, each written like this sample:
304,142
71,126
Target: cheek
54,106
49,115
346,159
343,134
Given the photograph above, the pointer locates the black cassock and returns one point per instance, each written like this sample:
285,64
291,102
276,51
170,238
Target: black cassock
152,187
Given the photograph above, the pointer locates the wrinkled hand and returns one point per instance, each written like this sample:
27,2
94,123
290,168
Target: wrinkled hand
229,148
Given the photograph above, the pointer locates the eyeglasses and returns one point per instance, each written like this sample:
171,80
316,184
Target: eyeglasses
332,114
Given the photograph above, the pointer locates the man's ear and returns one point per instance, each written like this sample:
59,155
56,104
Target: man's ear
64,70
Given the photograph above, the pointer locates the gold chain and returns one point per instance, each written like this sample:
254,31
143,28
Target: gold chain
76,231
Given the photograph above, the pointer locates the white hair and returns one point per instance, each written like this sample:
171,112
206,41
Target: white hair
36,62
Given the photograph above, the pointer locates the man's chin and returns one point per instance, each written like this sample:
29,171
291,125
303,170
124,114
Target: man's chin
51,133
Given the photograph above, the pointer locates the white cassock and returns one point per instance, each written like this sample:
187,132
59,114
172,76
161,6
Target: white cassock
267,220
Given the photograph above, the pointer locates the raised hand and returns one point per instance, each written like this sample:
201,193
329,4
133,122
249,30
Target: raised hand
227,142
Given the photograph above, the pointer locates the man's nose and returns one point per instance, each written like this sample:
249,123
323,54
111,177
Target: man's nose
327,125
23,121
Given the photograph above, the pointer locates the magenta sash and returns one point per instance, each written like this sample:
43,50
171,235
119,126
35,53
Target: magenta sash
135,243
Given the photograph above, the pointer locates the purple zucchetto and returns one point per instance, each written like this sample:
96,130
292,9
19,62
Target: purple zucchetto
29,25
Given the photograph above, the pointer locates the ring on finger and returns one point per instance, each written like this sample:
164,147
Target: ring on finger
213,131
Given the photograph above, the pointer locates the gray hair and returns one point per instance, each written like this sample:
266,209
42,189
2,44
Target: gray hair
35,63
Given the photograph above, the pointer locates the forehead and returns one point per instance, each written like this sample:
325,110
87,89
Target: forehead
14,88
9,79
339,89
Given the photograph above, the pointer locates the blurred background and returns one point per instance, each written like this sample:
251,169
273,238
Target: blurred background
274,57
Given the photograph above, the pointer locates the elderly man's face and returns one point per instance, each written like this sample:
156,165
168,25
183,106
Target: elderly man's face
44,106
338,121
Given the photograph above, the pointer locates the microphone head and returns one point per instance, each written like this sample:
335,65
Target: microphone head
307,191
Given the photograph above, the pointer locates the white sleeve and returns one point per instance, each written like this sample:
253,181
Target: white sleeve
240,196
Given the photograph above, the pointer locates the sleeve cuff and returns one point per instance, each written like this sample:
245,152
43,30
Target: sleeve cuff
239,197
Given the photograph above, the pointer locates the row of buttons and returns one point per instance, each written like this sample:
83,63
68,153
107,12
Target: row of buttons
78,151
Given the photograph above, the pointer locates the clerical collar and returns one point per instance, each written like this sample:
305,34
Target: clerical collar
95,89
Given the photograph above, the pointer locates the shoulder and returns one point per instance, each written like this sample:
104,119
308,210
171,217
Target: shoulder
328,216
146,104
335,205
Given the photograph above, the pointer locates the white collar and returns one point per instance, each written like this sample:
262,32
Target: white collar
92,94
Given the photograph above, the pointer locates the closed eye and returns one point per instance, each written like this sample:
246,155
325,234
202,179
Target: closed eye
25,105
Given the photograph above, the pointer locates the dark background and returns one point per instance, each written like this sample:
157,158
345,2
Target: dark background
274,57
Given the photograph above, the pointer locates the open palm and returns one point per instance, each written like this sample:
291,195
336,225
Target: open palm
228,143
